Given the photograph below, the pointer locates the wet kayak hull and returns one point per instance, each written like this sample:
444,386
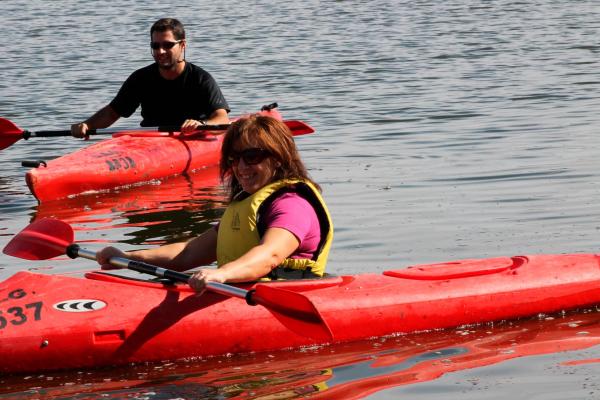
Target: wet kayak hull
121,161
53,322
128,158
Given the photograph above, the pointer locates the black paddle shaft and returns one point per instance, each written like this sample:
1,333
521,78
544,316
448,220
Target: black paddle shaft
74,251
28,134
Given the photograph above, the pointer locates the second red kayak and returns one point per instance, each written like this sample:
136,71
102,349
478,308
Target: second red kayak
121,161
130,158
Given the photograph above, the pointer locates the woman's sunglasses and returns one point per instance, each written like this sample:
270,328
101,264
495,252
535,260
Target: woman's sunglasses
250,156
164,45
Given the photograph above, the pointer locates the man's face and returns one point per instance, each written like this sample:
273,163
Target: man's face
166,50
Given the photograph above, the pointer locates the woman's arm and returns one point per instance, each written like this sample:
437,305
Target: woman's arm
276,245
178,256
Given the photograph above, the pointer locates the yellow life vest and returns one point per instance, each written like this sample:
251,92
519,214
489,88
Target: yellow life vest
239,228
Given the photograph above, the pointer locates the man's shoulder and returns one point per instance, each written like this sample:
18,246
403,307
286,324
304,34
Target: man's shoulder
147,72
195,69
199,75
148,69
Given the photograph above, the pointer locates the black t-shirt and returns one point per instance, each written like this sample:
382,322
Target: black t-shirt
192,95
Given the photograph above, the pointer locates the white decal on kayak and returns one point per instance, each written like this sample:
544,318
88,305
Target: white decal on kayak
79,305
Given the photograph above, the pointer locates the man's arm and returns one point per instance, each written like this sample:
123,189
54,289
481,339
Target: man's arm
217,117
104,118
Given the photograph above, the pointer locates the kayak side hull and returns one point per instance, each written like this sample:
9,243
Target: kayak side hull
128,158
121,161
53,322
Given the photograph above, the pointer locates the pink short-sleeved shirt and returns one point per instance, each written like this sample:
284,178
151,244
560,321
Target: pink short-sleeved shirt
294,213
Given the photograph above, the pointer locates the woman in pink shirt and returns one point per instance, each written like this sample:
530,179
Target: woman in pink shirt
276,225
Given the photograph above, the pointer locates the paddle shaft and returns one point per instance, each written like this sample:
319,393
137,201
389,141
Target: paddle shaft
75,251
29,134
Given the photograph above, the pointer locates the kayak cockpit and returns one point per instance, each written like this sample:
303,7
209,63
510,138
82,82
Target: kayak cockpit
292,284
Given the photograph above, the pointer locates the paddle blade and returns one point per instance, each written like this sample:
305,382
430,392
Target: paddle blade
9,133
294,310
43,239
298,127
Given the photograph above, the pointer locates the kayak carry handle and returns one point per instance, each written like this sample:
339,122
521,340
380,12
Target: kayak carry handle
33,163
269,107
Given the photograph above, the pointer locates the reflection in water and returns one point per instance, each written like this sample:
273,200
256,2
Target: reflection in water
165,211
348,371
369,369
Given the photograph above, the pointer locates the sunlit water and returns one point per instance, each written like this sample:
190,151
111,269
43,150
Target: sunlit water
445,130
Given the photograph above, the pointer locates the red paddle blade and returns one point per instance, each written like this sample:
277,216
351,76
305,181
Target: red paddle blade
294,310
43,239
9,133
298,127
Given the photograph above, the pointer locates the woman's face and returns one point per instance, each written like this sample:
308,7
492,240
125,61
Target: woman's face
253,167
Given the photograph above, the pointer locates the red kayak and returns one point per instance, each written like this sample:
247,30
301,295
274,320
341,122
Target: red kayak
54,322
132,158
121,161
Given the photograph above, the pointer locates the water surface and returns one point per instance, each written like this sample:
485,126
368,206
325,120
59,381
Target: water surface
445,130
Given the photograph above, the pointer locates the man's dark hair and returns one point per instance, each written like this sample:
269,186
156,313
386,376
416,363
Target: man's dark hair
169,24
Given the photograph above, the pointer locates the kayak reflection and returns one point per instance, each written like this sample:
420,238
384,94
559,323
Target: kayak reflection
159,211
349,371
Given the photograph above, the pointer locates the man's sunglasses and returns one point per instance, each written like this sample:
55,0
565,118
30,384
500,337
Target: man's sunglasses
164,45
250,156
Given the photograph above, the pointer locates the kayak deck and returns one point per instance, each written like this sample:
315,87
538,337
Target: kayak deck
52,321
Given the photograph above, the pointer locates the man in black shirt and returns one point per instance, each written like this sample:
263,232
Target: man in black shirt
171,91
